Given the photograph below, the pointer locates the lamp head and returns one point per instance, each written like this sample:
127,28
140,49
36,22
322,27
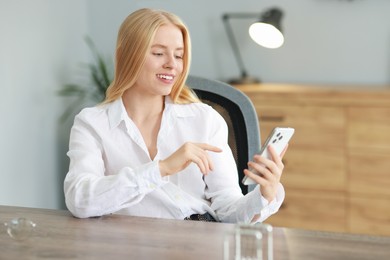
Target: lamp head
267,31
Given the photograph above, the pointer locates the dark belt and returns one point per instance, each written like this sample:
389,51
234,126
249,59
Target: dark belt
207,217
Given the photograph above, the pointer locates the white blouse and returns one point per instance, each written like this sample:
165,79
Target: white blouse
111,171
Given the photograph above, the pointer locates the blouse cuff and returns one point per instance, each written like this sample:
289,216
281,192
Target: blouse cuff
150,178
260,205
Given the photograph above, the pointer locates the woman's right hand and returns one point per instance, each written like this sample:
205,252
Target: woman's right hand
189,153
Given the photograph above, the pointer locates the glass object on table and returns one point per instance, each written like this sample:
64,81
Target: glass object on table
20,228
249,242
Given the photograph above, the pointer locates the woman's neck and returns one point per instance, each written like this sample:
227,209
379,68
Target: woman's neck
146,113
142,108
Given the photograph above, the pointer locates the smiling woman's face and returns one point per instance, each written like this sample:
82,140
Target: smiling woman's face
164,62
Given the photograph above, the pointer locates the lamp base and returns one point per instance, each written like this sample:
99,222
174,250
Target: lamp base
243,81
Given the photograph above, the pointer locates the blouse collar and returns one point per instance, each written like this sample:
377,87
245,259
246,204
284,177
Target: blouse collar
117,111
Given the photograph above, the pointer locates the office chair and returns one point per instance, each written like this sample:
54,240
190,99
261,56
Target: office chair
240,115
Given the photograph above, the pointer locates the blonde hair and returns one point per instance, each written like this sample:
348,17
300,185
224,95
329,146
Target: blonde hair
134,41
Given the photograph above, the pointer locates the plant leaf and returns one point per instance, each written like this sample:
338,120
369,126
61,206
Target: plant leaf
72,90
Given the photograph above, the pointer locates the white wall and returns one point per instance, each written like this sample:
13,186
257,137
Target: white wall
327,41
41,47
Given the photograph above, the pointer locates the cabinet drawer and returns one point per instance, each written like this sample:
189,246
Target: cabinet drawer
313,210
314,125
369,216
369,127
315,168
369,173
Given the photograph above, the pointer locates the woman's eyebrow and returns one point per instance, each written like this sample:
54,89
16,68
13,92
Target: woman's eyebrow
165,47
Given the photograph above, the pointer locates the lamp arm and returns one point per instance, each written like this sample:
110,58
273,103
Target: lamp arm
234,45
269,15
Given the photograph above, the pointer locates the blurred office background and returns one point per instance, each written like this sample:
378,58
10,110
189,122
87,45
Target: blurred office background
335,42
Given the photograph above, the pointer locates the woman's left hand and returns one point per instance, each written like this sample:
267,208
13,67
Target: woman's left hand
267,172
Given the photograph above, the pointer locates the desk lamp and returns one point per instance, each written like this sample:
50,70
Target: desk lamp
266,32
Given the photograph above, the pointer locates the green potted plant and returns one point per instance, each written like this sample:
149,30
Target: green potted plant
100,75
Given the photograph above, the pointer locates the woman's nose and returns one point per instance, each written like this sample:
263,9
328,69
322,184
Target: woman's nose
170,63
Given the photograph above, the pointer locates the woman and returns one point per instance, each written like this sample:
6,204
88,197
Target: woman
152,148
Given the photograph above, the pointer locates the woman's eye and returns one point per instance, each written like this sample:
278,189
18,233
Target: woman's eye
179,56
157,54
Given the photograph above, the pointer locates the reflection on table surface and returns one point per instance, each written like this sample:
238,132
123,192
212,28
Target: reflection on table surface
58,235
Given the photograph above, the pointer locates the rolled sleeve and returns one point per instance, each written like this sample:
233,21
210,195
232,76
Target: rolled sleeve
260,205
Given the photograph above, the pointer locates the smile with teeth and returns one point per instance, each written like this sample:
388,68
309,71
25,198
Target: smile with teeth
163,76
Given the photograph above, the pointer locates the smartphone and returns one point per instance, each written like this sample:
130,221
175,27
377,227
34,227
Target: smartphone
278,138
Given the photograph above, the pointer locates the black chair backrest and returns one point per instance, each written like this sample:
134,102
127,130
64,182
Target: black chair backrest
240,115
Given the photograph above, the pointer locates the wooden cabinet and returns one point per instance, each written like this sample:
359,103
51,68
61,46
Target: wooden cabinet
369,164
337,168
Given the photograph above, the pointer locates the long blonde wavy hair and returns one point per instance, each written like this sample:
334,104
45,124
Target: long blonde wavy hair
134,42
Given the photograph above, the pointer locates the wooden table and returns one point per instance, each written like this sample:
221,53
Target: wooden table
58,235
